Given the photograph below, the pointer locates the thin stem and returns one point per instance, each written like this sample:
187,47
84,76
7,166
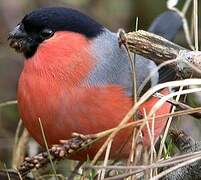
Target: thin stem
47,148
195,15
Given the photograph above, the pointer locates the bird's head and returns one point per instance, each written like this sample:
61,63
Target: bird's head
41,25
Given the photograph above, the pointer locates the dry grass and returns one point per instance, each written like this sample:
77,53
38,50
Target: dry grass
154,159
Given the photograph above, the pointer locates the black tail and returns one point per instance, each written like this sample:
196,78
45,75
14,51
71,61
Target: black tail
166,25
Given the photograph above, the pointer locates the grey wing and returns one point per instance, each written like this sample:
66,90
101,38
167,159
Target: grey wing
112,66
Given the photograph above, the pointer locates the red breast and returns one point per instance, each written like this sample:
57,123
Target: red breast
51,88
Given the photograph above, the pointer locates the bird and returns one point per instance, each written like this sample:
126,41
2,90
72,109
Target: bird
76,78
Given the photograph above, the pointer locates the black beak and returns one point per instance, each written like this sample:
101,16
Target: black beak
18,39
22,41
17,33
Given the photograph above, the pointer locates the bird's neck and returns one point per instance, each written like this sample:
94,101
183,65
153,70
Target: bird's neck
65,56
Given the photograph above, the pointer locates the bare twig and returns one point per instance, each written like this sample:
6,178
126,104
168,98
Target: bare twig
168,126
184,20
152,46
57,152
47,148
185,144
78,142
179,105
20,149
195,16
75,170
160,50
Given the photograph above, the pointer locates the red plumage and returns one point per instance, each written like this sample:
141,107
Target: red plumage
51,88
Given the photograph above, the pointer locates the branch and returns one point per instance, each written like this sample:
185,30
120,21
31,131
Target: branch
185,144
152,46
63,150
160,50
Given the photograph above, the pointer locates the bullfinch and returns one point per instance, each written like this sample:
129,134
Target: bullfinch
76,78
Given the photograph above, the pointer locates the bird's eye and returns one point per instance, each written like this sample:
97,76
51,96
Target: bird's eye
46,33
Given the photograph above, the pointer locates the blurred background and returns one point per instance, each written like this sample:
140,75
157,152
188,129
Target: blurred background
113,14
